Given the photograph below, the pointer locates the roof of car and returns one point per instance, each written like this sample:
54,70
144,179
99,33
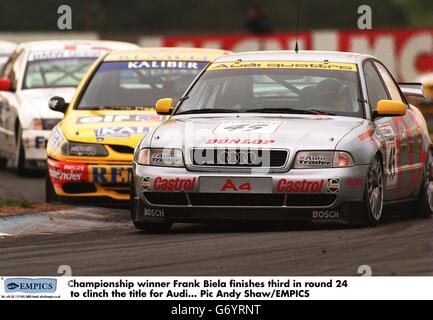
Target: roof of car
7,44
166,53
7,47
291,55
65,44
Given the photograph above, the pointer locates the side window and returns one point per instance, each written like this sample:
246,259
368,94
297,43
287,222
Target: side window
375,89
389,82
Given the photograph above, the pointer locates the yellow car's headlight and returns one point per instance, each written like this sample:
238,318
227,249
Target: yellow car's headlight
83,149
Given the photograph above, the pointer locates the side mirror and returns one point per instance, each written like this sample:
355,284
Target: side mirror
164,106
5,84
427,89
58,104
390,108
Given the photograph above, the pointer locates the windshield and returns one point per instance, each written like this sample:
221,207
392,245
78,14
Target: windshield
54,73
134,84
275,90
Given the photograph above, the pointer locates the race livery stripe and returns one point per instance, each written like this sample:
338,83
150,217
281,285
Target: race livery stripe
283,65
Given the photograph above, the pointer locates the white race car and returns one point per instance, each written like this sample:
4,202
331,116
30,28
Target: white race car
6,48
35,72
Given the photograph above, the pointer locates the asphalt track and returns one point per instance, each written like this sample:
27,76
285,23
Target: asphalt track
102,241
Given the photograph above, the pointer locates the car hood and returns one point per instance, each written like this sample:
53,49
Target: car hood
120,127
37,100
294,132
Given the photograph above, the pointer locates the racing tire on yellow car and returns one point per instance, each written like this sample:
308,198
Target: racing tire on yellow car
50,193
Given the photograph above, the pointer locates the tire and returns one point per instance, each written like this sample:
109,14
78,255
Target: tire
50,193
147,227
19,162
373,193
425,196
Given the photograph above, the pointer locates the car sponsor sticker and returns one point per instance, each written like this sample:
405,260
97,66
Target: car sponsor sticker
314,159
192,66
173,184
166,65
333,186
119,132
355,182
154,212
388,134
145,183
236,184
366,135
299,186
239,141
119,118
110,174
248,126
325,214
63,54
55,138
283,65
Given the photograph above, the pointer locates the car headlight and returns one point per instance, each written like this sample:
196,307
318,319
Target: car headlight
322,159
161,157
342,159
83,149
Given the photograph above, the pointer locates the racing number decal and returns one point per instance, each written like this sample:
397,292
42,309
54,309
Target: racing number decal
229,185
245,127
391,154
262,127
392,162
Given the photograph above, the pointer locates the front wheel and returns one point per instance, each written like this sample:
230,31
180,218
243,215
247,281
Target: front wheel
425,196
373,193
50,193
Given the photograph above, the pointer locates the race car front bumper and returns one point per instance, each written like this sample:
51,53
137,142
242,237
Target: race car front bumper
81,180
179,195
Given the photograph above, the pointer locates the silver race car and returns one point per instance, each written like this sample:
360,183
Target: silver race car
321,136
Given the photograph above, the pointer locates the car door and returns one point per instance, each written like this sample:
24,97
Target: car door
402,159
413,155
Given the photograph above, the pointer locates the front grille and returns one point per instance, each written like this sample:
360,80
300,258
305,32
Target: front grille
239,157
121,149
166,198
78,187
49,124
218,199
246,200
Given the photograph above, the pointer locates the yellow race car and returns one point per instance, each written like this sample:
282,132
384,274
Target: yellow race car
90,151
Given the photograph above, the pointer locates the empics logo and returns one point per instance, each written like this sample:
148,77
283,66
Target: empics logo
25,285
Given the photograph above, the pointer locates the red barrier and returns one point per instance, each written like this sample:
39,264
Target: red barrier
408,53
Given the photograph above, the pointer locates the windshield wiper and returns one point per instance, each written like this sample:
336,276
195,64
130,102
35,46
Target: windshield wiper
123,107
322,112
207,110
289,110
282,110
